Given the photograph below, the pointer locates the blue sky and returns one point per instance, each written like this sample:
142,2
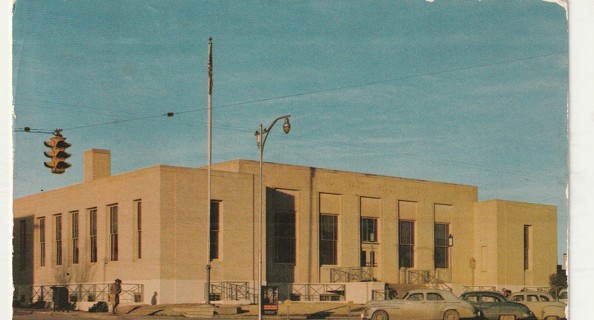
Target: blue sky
471,92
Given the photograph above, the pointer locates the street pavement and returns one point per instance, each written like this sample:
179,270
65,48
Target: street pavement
293,311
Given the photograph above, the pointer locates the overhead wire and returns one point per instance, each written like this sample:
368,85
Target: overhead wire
300,94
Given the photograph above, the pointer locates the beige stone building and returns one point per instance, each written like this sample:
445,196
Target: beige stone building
328,235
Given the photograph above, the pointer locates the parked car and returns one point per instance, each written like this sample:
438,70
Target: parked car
542,304
422,304
493,305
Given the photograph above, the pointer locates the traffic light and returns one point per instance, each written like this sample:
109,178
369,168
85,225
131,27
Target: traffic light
57,153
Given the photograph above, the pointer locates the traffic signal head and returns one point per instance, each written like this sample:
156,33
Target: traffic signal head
57,153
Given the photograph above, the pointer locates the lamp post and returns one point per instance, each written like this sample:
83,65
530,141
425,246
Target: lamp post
371,256
450,245
261,136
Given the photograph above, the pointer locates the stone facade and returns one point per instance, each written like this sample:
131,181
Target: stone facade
149,227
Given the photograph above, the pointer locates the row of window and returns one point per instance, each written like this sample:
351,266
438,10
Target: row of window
284,240
93,240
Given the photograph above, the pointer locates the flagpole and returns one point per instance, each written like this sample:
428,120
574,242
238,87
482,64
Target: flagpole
208,266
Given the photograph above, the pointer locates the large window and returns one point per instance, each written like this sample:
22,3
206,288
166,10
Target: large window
23,244
328,239
138,227
527,249
284,236
93,234
442,250
113,232
406,244
58,219
369,236
74,232
42,242
214,229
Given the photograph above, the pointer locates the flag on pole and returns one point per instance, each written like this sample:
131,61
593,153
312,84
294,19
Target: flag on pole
210,65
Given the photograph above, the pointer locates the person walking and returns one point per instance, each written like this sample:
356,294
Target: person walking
114,294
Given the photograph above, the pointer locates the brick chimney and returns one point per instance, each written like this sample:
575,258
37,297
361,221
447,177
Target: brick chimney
97,164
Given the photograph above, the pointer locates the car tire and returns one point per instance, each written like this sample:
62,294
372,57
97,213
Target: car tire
451,315
380,315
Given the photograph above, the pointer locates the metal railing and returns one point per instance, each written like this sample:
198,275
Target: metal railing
428,278
131,293
350,274
319,292
233,291
418,277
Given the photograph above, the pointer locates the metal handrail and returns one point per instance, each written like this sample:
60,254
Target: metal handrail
131,292
234,291
314,291
350,274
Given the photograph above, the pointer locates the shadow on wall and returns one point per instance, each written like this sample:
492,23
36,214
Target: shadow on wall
154,299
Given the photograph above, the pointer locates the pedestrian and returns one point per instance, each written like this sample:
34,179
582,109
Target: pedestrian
114,294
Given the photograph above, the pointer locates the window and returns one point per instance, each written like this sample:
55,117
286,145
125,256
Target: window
215,207
406,245
74,222
441,250
42,242
23,244
544,298
527,249
93,234
138,226
432,296
519,298
415,297
58,240
369,230
284,236
113,233
328,239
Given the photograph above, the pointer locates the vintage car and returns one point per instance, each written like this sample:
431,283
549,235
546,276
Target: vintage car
494,306
542,304
422,304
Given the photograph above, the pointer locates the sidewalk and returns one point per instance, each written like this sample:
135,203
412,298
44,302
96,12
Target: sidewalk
294,310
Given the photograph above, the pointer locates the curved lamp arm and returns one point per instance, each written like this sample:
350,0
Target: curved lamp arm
262,134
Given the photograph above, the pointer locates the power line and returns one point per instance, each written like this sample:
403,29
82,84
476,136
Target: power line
300,94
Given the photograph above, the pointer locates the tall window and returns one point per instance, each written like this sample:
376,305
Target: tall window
527,249
42,242
113,233
442,250
284,236
58,240
23,244
74,232
369,236
406,244
93,234
214,229
328,239
368,229
138,226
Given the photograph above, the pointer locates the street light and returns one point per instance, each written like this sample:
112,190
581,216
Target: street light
261,136
450,245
